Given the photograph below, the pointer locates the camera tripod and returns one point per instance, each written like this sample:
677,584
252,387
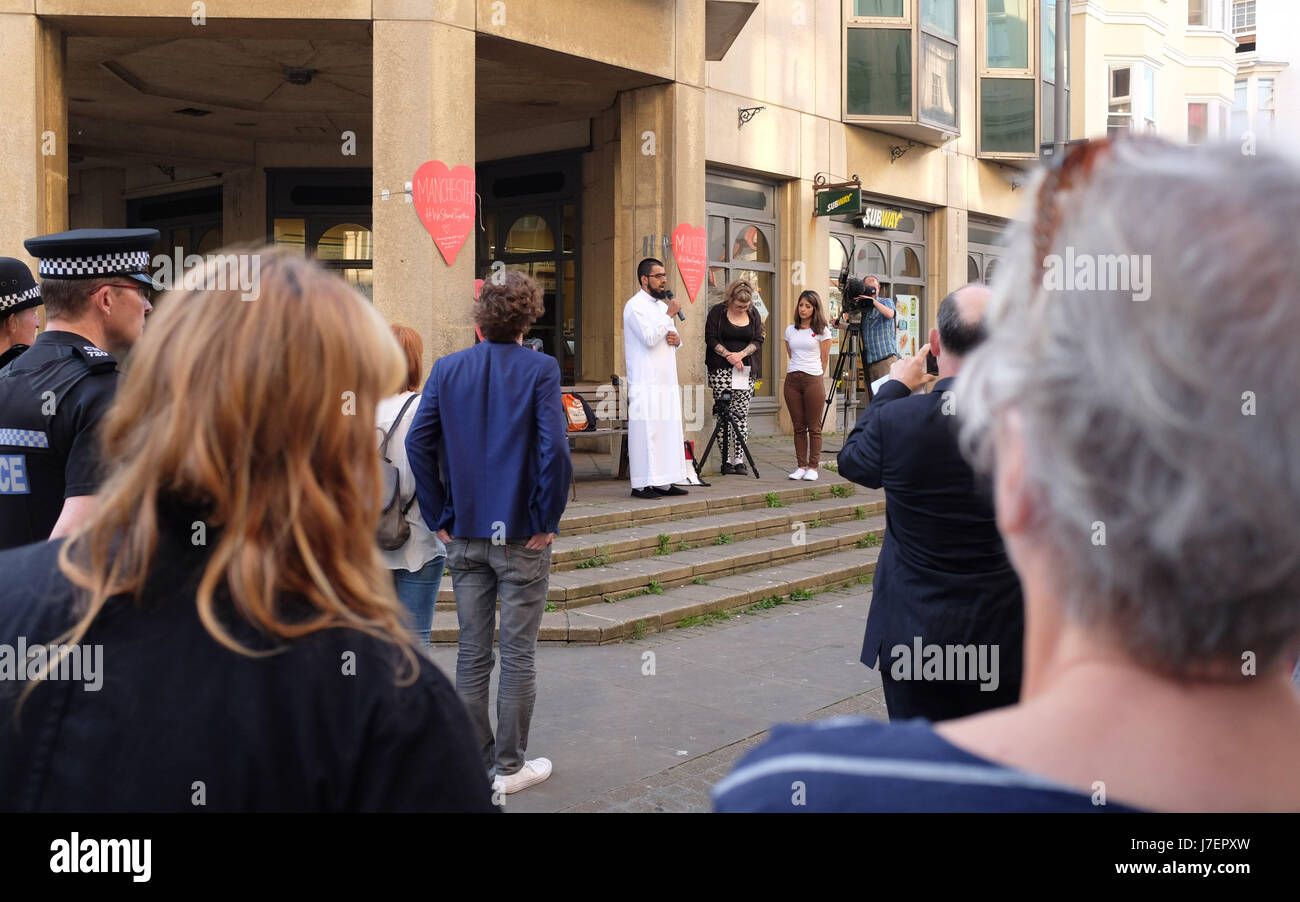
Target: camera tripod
852,348
725,424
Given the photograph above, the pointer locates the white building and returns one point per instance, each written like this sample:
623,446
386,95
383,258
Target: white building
1266,99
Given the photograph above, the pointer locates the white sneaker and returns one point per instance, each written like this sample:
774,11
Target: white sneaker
798,474
532,773
811,474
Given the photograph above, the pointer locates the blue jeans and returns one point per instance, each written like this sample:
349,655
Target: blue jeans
482,571
418,592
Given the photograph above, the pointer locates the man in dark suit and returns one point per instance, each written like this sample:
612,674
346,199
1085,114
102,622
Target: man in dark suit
490,453
946,621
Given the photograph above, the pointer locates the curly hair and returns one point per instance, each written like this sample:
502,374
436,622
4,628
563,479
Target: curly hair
507,306
738,289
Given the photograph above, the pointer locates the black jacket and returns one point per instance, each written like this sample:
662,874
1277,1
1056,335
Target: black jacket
179,718
943,573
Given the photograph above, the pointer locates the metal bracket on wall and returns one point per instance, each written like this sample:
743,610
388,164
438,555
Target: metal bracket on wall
745,113
822,181
897,150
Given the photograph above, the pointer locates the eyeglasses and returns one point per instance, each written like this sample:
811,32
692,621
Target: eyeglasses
657,275
140,288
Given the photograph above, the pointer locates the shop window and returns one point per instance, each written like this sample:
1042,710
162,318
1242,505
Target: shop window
741,238
990,268
871,261
346,241
530,235
1017,76
907,264
882,42
972,270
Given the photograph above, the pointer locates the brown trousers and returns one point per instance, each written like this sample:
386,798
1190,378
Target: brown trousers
805,395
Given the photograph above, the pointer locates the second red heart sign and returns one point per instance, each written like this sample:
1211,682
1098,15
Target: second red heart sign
690,252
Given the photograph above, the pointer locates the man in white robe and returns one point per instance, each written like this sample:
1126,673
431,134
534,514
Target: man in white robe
655,447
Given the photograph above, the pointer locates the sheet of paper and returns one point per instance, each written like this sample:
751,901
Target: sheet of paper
740,378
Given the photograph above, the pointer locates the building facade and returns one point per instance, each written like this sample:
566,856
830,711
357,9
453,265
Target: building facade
594,128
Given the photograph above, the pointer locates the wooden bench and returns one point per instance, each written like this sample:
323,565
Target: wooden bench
615,427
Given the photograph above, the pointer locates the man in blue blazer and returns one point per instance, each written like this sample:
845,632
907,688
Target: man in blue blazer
946,621
490,453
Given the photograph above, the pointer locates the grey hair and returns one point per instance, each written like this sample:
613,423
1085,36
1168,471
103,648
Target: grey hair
1171,422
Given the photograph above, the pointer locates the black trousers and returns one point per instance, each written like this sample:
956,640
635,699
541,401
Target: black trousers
937,700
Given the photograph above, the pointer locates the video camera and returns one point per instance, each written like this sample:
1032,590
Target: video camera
855,295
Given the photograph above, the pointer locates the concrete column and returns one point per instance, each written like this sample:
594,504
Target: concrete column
423,110
34,141
654,192
98,201
948,243
243,207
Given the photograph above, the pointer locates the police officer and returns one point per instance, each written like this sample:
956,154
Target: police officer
97,293
19,298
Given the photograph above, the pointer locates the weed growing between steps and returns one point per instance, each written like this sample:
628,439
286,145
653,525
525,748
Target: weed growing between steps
870,540
701,581
599,560
859,513
723,539
841,491
663,548
698,619
774,500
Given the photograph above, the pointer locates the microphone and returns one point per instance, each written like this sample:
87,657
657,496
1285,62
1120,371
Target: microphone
668,296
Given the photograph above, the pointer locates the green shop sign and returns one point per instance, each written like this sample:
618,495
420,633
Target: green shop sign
839,201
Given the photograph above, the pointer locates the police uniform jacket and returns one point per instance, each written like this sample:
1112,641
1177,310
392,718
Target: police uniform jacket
182,723
52,398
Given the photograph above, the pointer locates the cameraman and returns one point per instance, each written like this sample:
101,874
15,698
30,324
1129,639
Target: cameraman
880,344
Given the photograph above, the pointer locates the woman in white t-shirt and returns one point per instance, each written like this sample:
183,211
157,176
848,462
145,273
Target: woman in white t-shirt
418,565
808,342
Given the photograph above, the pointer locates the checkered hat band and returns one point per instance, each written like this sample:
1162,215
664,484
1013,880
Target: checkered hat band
24,438
103,265
11,300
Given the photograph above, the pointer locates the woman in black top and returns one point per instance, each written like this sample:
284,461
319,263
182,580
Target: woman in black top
733,336
233,639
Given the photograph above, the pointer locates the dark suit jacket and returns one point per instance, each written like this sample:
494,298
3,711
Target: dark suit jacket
943,573
489,444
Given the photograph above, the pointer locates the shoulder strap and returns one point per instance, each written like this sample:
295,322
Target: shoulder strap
388,436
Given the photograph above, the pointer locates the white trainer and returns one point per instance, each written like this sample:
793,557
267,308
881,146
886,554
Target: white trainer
811,474
532,773
798,474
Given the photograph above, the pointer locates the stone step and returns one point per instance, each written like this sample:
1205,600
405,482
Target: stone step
631,542
620,581
635,617
582,518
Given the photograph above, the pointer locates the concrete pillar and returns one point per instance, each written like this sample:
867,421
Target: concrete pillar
98,201
653,194
34,140
949,239
243,207
423,110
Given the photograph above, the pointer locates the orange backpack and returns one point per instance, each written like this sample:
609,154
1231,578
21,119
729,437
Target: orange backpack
578,413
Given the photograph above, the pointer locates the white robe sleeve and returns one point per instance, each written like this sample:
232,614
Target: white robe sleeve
649,325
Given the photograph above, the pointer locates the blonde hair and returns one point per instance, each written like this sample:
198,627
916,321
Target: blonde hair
737,289
261,412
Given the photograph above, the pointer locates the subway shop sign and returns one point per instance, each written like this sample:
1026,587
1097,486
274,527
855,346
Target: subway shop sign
838,202
877,218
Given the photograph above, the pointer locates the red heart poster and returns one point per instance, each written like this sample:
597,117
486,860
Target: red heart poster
444,201
690,252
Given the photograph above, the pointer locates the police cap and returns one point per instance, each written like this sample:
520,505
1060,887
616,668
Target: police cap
94,253
18,290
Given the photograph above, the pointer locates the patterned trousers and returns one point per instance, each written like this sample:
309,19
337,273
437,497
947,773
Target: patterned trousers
720,381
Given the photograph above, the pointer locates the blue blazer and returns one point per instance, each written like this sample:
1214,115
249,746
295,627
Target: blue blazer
943,572
489,443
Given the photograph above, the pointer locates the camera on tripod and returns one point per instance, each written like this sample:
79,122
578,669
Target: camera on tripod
722,402
855,295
